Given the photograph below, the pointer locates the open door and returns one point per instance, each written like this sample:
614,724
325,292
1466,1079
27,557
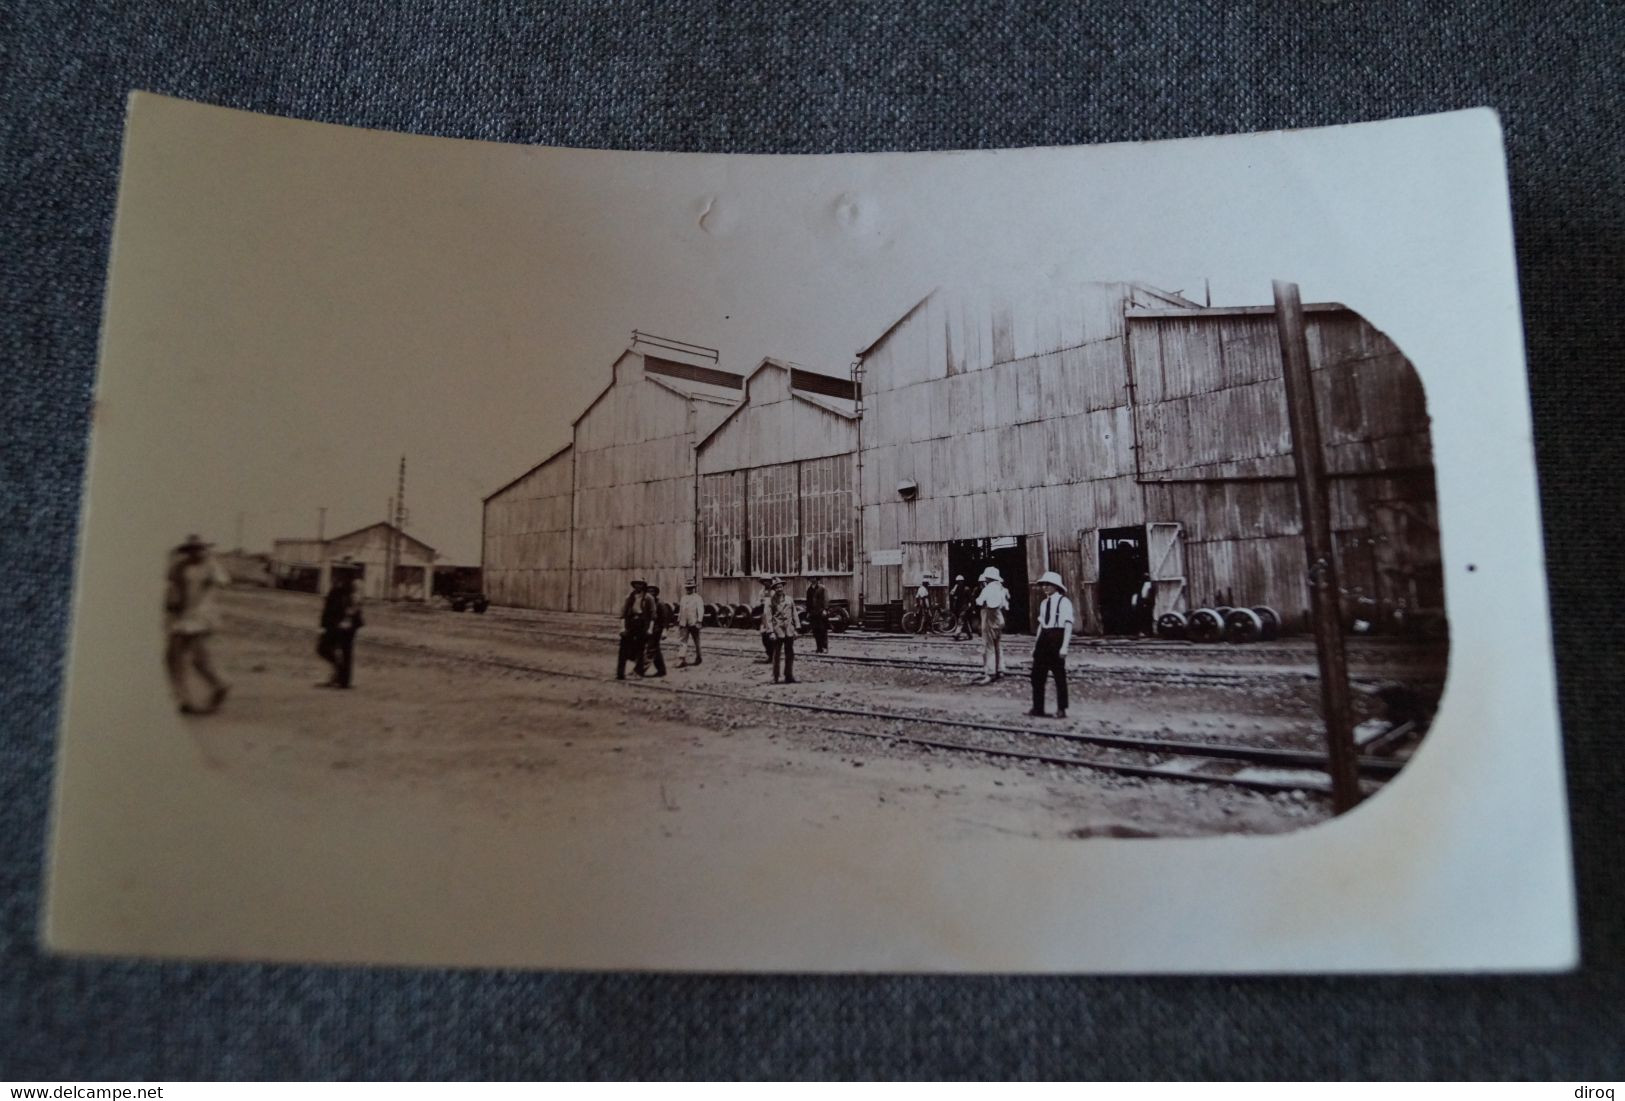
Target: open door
1124,572
1166,556
926,562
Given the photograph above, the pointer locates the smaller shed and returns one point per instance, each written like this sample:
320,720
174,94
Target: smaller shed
310,565
245,568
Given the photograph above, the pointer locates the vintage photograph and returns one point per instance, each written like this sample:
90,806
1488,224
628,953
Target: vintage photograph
1039,566
494,549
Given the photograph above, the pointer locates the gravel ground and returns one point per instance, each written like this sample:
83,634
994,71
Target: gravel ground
492,713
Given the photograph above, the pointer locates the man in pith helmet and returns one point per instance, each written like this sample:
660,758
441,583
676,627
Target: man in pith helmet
993,602
1052,640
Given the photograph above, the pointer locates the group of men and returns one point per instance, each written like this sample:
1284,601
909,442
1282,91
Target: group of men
644,621
192,615
194,577
988,603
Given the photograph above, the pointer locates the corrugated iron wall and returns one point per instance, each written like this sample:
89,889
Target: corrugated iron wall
1010,417
1071,412
634,500
1215,456
781,470
527,538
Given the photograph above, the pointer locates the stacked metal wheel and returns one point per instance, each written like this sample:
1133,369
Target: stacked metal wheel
1259,623
1204,625
1171,626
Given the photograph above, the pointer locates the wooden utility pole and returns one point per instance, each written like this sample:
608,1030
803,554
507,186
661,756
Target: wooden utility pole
324,574
1315,504
398,523
389,550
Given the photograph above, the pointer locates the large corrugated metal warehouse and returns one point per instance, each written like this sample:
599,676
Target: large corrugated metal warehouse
1118,434
626,483
777,483
679,469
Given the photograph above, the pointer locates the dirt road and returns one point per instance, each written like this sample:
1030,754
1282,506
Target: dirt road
493,713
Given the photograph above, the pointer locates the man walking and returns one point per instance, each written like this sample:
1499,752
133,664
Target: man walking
690,617
659,620
818,614
341,619
634,630
780,610
190,618
993,601
1053,639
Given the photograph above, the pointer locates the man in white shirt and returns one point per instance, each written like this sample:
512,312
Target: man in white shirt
690,615
993,601
1053,638
922,607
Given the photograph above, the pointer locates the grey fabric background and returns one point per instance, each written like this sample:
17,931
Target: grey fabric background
797,77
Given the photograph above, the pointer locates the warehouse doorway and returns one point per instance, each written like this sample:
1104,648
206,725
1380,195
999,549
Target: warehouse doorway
1007,554
1124,571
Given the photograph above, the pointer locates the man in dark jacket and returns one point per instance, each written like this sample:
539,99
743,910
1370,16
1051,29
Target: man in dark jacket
818,614
657,628
959,603
341,619
636,615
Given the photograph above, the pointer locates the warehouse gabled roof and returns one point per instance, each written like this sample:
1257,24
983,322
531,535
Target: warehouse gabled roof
696,393
515,481
1144,312
794,370
427,550
910,312
1174,300
698,389
829,405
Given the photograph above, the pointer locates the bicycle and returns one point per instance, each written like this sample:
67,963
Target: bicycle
939,621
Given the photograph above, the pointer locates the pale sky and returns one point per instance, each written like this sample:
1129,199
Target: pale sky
326,300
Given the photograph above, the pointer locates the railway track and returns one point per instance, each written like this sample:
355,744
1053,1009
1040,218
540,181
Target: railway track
1253,768
1241,677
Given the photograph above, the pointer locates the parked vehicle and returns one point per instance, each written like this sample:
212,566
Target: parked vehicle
468,602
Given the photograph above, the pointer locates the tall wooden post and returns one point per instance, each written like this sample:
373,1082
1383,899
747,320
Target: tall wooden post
389,551
324,573
396,525
1315,504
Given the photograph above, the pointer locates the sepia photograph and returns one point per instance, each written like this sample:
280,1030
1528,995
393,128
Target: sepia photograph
1026,560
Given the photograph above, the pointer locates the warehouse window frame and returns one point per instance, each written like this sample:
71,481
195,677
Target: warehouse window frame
791,519
773,518
725,543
